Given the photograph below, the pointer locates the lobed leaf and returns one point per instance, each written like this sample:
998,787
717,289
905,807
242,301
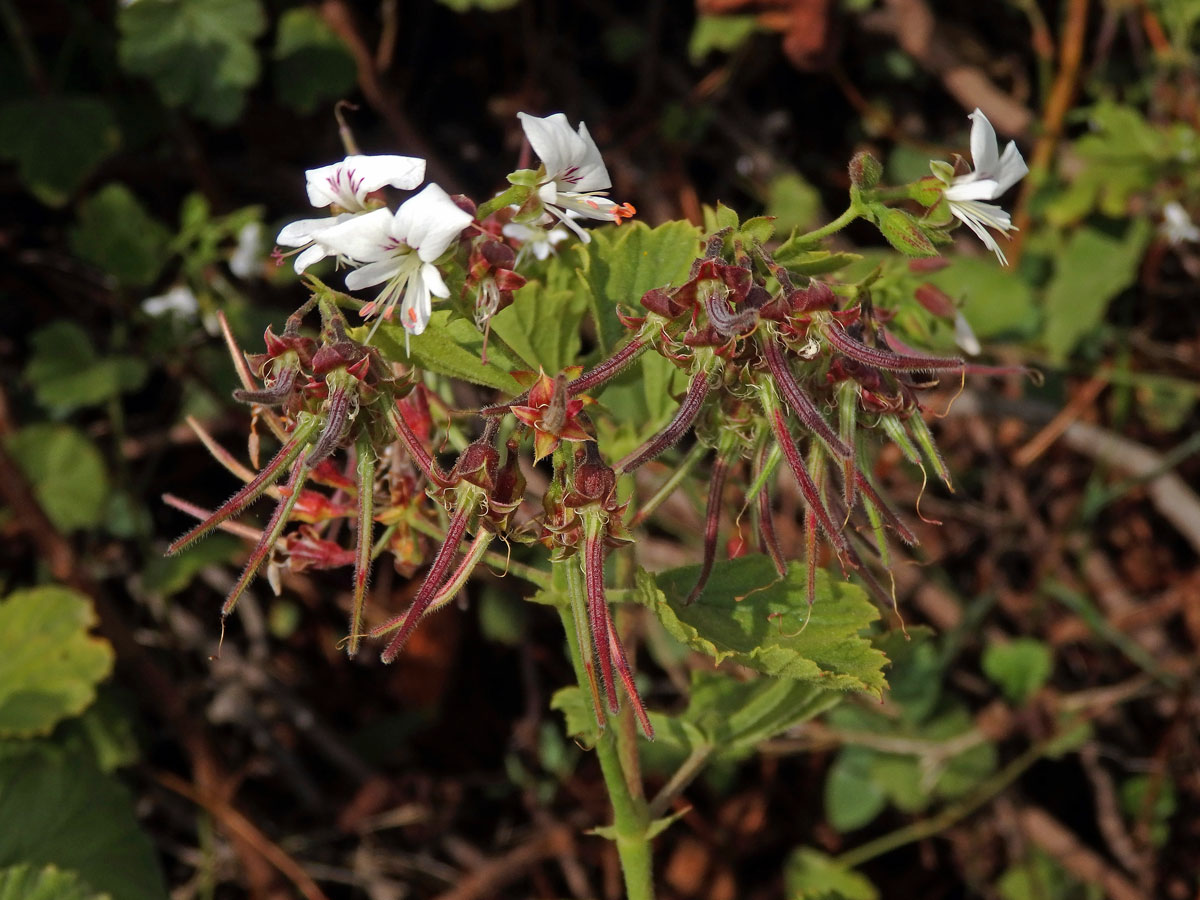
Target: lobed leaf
197,53
730,718
66,471
450,348
621,263
57,142
73,816
543,326
749,615
813,875
66,373
49,664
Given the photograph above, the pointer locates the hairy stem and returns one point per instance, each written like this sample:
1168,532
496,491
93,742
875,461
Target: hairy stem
676,428
631,816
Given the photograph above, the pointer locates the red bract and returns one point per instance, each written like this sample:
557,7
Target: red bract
550,410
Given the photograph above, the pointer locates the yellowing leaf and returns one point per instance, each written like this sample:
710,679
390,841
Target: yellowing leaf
49,664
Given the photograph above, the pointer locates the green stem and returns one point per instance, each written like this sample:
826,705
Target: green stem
852,213
631,816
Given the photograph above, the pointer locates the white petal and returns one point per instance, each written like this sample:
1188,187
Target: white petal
571,159
178,300
403,172
366,237
552,139
1012,168
970,215
246,261
375,273
983,144
429,222
432,279
592,174
347,183
588,206
313,254
971,188
416,307
304,231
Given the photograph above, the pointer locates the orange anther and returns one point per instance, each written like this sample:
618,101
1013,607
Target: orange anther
624,211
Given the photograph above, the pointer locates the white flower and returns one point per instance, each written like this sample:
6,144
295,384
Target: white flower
344,187
397,250
1177,226
246,261
178,302
535,239
994,174
576,179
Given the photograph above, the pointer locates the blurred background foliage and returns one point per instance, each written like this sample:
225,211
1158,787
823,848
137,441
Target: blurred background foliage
1038,740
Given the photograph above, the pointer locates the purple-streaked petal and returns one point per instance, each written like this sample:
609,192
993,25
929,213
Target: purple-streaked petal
571,159
347,184
366,237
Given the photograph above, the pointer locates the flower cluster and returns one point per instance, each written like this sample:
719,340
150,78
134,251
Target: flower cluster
767,347
403,251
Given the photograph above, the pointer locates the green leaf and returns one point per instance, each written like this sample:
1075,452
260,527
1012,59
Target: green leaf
798,258
730,718
995,300
49,664
751,616
104,733
26,882
723,33
813,875
793,202
66,373
116,234
312,64
1040,878
853,796
622,262
1020,667
56,142
1092,270
198,53
578,714
73,816
915,676
450,348
1150,798
543,326
66,472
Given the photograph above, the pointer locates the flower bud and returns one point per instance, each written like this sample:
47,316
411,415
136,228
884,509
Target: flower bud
865,170
904,233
